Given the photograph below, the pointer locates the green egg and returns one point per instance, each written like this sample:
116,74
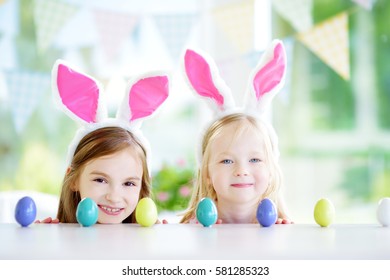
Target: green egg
146,212
324,212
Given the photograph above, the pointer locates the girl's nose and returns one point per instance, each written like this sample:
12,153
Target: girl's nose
241,171
112,195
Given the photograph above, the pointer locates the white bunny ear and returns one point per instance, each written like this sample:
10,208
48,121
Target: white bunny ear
77,94
144,96
203,77
267,79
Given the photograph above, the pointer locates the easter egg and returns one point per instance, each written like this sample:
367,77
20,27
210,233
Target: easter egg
206,212
383,212
266,212
25,211
87,212
324,212
146,212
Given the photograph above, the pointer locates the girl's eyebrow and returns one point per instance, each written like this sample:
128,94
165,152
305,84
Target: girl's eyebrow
224,154
257,153
99,173
134,178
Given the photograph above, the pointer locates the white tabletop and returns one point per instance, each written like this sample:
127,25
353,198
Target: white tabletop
178,241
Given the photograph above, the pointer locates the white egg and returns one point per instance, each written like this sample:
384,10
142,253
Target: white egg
383,211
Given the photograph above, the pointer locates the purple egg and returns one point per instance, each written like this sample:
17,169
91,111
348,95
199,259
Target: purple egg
25,211
267,213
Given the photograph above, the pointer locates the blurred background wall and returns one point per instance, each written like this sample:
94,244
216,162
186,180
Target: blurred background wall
332,117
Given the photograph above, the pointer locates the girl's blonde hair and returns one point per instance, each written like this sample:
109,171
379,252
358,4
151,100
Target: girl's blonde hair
98,143
202,188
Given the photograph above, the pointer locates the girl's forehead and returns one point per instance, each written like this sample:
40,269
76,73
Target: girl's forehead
128,153
240,129
236,135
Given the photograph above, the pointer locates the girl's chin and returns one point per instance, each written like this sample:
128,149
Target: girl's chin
105,222
110,220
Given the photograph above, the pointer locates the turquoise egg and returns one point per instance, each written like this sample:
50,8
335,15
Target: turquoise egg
87,212
206,212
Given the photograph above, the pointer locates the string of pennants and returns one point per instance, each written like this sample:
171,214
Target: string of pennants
56,20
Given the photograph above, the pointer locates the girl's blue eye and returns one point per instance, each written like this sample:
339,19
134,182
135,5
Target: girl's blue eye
226,161
255,160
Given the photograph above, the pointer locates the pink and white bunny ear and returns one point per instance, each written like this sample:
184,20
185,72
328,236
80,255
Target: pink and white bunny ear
202,74
77,94
267,79
144,96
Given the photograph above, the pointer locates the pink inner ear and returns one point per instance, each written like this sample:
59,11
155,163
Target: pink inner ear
147,95
271,74
79,93
199,74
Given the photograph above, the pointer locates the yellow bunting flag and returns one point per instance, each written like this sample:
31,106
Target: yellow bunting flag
50,16
237,22
329,41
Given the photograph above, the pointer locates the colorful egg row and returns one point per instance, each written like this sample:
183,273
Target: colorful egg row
87,212
206,212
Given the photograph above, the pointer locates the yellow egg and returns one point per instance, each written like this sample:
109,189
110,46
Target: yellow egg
324,212
146,212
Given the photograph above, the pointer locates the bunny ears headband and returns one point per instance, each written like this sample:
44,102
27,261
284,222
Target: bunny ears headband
80,97
265,82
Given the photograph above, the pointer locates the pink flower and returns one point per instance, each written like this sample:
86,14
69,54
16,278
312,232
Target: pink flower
185,191
162,196
181,162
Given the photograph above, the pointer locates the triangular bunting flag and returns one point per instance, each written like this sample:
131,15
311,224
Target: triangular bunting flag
329,41
24,92
113,28
237,22
296,12
175,31
366,4
49,17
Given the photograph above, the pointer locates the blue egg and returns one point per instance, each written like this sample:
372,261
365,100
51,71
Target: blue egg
267,213
25,211
87,212
206,212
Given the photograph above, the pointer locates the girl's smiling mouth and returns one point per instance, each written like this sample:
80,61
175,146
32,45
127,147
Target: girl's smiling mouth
242,185
110,210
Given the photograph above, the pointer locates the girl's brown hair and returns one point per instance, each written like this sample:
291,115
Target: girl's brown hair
101,142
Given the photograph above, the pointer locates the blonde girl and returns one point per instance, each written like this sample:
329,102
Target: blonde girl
238,158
